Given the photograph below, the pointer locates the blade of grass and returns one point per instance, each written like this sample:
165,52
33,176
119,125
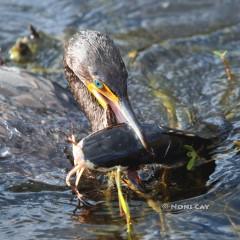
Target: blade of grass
122,202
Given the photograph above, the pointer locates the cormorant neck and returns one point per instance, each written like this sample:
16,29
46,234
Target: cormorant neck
99,118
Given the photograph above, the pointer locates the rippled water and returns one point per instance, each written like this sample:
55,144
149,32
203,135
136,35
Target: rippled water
174,79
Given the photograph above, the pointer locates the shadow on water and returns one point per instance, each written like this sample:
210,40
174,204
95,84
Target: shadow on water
177,184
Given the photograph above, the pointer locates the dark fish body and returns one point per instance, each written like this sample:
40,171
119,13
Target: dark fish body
119,146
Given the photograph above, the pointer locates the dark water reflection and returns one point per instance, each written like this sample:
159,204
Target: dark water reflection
174,79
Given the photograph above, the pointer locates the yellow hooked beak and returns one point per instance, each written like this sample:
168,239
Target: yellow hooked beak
121,108
101,93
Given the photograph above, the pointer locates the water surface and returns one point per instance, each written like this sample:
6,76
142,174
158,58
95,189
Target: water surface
174,79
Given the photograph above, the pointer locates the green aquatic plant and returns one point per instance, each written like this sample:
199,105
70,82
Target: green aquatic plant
174,111
222,55
193,157
156,206
122,202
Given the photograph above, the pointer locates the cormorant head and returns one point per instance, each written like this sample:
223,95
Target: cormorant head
97,63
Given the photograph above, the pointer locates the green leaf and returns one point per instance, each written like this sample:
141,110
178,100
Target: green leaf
220,54
193,157
191,164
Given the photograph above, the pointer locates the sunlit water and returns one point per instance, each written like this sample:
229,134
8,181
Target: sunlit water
173,44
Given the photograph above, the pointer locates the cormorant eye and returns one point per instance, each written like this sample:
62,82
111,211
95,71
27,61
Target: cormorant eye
98,84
